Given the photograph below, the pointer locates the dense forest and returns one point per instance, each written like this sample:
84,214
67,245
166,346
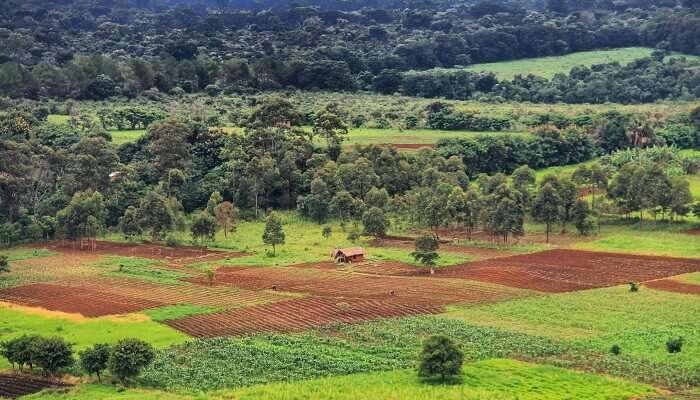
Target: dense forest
98,50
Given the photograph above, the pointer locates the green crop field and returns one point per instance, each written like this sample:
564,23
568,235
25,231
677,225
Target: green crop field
547,67
640,323
492,379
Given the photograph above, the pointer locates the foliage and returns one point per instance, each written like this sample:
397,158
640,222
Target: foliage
374,222
51,354
274,234
675,345
94,360
129,357
18,351
426,250
4,264
440,359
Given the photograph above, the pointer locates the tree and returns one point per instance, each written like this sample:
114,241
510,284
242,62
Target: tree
94,359
377,198
342,205
375,223
18,351
129,357
129,223
203,226
327,232
4,265
273,234
155,215
82,217
51,354
568,193
214,200
168,145
226,214
547,207
331,127
440,360
426,251
680,197
583,220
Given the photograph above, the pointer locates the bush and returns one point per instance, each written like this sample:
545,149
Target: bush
51,354
4,264
440,360
675,345
615,349
94,360
129,357
634,287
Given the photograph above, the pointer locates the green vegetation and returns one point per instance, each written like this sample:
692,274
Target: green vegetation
141,268
83,332
126,136
21,253
547,67
662,242
484,380
640,323
106,392
367,136
178,311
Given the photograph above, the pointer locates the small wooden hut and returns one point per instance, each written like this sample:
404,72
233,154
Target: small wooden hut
348,255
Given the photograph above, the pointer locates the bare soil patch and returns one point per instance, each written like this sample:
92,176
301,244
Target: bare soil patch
294,315
695,232
89,303
411,146
176,255
569,270
670,285
391,268
345,285
13,386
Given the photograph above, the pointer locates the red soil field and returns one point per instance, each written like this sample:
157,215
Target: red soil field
476,253
344,285
411,146
393,268
201,295
669,285
89,303
179,255
16,385
569,270
294,315
695,232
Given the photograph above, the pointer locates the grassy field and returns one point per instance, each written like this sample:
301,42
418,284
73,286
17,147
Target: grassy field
547,67
83,332
492,379
418,136
108,392
640,323
126,136
305,243
670,242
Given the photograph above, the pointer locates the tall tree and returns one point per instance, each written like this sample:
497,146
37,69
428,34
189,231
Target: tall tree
226,215
426,251
82,217
375,223
273,234
547,207
156,215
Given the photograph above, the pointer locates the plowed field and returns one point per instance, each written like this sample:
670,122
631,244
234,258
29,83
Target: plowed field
344,285
15,385
669,285
294,315
569,270
89,303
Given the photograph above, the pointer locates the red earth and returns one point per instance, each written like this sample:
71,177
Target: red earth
294,315
345,285
16,385
178,255
670,285
695,232
89,303
569,270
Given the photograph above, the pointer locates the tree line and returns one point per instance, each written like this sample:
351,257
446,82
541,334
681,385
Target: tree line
183,174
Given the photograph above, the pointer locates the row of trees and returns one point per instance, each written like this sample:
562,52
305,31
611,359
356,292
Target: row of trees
124,360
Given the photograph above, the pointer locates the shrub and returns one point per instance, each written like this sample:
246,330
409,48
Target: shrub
440,360
4,264
94,360
615,349
129,357
51,354
675,345
634,287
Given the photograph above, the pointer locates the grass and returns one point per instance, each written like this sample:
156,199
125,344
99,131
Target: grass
21,253
120,137
140,268
491,379
640,323
304,243
178,311
106,392
660,242
84,332
547,67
